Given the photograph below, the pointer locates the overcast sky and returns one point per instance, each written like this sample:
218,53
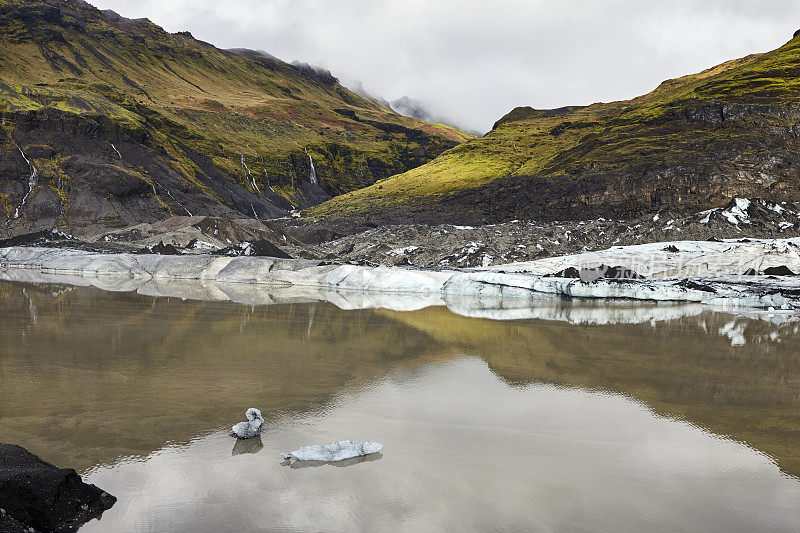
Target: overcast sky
475,60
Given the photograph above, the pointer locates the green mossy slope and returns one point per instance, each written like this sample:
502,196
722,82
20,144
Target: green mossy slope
693,142
253,118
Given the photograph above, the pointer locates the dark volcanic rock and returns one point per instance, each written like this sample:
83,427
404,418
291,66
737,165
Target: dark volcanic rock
36,238
445,245
695,286
618,272
590,275
38,495
782,270
570,272
162,249
260,248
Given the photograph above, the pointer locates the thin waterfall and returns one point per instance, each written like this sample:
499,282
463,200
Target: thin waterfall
268,185
155,195
250,176
312,176
177,202
31,183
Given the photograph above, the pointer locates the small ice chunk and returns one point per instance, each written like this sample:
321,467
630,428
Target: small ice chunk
403,251
251,428
336,451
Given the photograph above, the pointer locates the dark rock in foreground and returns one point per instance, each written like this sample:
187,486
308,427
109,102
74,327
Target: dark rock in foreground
35,494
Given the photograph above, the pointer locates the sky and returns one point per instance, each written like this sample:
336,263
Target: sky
471,61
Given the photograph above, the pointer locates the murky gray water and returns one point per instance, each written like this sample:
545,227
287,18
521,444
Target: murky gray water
683,423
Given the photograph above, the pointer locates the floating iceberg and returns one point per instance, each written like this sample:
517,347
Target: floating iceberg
336,451
251,428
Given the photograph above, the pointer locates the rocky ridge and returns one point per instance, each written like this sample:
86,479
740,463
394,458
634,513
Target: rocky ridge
446,245
419,245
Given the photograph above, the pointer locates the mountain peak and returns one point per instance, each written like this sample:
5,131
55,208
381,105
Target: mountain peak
126,123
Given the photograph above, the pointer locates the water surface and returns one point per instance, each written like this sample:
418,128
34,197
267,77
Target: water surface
686,422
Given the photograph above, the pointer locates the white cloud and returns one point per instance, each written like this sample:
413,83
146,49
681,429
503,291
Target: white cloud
475,60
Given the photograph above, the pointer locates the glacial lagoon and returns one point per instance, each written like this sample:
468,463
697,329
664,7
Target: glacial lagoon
651,417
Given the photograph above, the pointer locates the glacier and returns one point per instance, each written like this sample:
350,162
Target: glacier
707,273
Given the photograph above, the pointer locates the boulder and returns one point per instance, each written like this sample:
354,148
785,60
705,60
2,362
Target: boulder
782,270
38,495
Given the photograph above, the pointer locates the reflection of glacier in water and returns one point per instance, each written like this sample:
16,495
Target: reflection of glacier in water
492,306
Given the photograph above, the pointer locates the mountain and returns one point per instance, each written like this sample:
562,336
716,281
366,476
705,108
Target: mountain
693,143
115,121
358,87
411,107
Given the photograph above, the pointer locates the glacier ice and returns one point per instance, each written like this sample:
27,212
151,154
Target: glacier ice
335,451
688,271
251,428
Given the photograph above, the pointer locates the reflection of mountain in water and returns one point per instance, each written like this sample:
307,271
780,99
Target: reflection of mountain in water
101,375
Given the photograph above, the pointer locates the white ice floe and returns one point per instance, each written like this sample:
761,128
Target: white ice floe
336,451
251,428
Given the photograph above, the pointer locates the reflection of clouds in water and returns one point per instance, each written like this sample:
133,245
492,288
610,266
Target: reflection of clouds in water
468,453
